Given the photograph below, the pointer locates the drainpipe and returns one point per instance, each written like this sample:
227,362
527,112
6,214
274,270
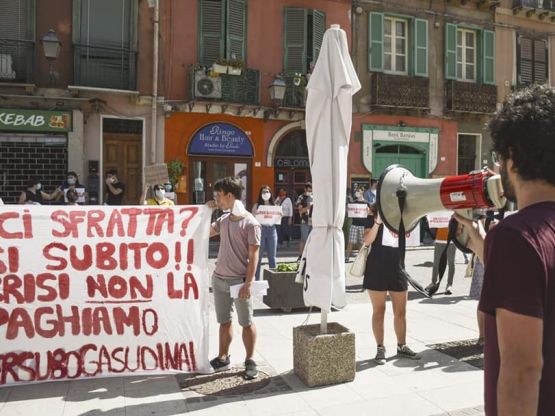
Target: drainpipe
153,118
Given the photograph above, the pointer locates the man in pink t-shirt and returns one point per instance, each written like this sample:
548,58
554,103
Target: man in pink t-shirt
518,295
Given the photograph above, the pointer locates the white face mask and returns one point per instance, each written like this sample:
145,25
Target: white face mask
71,181
113,179
38,186
160,194
266,196
238,209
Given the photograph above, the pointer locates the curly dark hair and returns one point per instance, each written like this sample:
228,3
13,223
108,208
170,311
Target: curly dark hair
230,184
524,130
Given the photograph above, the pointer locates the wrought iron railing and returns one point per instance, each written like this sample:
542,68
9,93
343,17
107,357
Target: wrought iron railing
469,97
105,67
534,4
243,88
398,91
16,60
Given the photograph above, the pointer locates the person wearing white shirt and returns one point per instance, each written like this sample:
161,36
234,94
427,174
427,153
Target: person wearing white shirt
284,230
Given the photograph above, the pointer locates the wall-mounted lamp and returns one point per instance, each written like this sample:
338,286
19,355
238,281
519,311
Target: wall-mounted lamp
277,93
51,46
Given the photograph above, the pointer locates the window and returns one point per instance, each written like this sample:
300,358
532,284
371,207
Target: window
469,54
303,34
532,64
395,45
389,38
223,30
17,40
466,55
104,43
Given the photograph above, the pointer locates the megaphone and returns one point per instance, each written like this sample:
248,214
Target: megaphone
463,194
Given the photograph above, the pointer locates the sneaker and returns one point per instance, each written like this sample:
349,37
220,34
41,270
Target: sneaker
448,290
220,365
251,372
406,352
380,355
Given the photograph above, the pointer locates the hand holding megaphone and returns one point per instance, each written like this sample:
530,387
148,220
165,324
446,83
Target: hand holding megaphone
475,234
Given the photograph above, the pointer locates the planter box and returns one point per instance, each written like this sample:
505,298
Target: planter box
283,293
323,359
220,69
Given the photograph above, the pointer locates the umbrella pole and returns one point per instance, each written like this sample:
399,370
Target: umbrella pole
323,322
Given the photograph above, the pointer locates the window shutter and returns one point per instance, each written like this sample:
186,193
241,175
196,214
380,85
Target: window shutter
318,29
488,51
295,39
540,62
421,47
450,51
211,31
16,20
236,27
525,61
375,42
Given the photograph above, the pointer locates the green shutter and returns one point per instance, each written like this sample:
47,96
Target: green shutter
421,47
450,51
540,62
236,29
375,42
488,50
295,40
211,31
318,29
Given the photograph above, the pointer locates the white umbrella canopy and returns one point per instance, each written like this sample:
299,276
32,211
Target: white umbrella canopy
328,128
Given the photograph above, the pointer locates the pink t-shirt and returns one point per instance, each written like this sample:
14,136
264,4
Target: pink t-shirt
520,277
235,239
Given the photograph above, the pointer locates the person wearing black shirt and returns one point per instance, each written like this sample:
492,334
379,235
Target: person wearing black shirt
356,231
34,194
114,188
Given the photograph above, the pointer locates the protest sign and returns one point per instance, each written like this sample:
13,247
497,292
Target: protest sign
269,214
156,174
357,210
391,239
80,195
102,291
439,219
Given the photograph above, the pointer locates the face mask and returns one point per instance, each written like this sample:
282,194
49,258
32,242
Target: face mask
238,209
266,196
160,194
309,193
38,186
113,179
71,181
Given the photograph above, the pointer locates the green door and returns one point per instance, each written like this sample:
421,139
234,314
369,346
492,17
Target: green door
413,157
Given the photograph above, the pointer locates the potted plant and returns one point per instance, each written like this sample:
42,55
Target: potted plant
175,170
283,292
235,67
220,66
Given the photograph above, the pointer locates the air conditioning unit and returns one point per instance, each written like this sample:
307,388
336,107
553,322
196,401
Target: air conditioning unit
207,87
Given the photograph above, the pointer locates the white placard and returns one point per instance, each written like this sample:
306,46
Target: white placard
439,219
103,291
80,195
258,287
357,210
390,239
269,214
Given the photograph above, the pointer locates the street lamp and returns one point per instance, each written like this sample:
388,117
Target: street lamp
277,92
51,46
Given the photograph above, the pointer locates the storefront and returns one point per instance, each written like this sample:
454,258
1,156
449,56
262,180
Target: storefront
32,143
291,164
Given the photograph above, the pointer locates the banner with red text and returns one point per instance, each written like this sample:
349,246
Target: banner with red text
102,291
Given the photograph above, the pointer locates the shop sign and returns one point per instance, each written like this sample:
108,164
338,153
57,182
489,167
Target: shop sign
221,139
35,120
292,163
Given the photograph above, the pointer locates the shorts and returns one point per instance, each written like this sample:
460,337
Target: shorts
356,234
223,302
305,231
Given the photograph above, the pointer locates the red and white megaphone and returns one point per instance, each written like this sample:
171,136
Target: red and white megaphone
463,194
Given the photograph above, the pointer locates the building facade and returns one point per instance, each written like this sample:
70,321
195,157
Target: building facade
95,97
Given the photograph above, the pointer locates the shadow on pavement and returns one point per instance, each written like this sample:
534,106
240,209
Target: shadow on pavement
425,264
443,299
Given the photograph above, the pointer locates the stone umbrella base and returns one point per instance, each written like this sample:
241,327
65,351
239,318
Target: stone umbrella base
323,359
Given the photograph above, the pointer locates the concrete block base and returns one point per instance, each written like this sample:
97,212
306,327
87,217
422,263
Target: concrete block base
323,359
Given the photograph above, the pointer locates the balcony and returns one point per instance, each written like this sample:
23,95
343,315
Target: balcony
16,61
205,85
295,94
105,67
469,97
397,91
540,8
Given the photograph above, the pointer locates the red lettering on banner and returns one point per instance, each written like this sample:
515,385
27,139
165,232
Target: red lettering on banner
189,284
32,288
13,260
117,287
185,222
90,360
157,217
25,223
116,221
46,252
132,213
94,220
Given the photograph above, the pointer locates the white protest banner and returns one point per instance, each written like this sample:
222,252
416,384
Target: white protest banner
391,239
357,210
269,214
102,291
439,219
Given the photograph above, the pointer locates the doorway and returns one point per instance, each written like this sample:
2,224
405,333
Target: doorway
468,153
122,150
386,154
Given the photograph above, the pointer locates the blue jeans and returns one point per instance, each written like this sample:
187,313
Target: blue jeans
268,244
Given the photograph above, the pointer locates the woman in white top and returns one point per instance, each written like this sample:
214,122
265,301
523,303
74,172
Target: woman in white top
268,241
284,230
